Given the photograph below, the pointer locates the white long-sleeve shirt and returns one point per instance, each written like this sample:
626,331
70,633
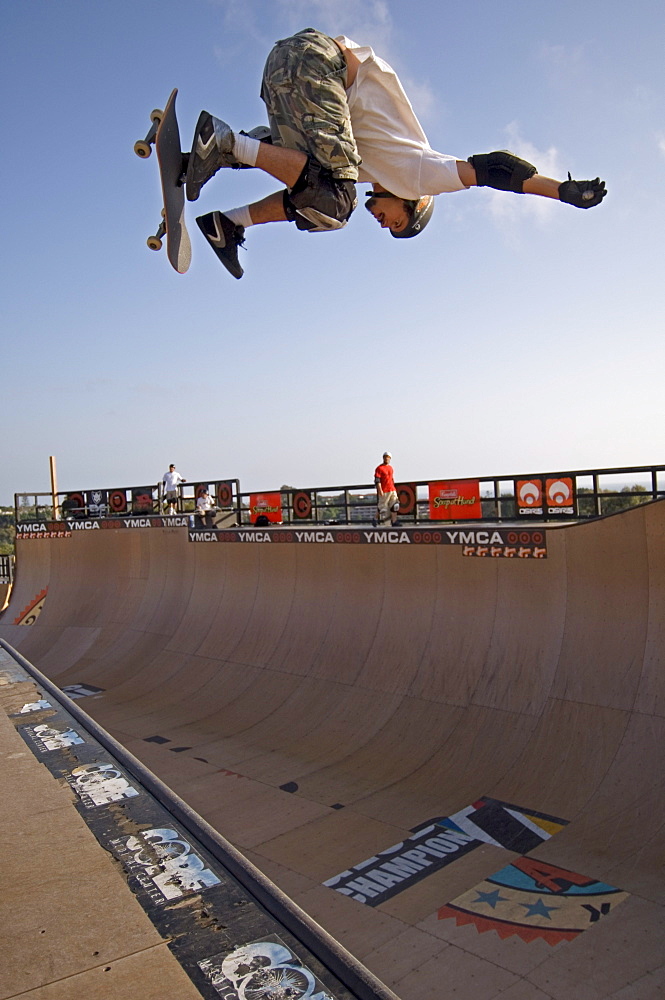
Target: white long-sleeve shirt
390,139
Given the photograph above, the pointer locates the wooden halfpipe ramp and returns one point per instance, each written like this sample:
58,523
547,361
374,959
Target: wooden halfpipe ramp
453,764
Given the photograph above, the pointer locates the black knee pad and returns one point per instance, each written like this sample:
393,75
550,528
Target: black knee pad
501,170
318,202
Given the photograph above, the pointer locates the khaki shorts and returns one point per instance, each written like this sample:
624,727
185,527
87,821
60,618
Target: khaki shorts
303,90
385,504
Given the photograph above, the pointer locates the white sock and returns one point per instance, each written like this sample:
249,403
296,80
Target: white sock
240,216
246,149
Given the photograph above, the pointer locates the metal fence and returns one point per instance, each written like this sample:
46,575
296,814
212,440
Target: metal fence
525,497
122,501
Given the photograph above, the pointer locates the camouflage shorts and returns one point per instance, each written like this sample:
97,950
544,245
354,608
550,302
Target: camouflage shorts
303,90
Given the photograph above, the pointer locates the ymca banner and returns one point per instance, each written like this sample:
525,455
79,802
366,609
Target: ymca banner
455,500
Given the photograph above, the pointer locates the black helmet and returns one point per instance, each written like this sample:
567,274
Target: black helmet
421,212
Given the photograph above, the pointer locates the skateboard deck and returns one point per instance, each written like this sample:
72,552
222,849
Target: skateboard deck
165,135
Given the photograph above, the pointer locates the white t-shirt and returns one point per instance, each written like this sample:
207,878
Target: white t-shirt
205,502
390,139
171,480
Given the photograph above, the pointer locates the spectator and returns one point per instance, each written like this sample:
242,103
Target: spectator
171,483
205,507
387,503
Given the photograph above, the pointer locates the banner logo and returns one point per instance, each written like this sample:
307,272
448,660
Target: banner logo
529,497
560,496
455,501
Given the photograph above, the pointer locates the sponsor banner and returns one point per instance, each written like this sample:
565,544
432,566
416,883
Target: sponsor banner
455,500
64,529
441,841
510,543
265,505
118,501
529,497
43,529
301,505
560,496
264,968
534,900
142,499
97,503
163,864
224,493
73,505
406,494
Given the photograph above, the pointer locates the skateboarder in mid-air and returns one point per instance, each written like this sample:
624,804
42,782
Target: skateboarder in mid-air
338,114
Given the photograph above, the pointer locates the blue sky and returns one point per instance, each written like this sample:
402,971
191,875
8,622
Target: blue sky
515,335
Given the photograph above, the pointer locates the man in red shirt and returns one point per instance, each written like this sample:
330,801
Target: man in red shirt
386,495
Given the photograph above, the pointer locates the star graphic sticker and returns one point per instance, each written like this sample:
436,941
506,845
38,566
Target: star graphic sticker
538,909
491,898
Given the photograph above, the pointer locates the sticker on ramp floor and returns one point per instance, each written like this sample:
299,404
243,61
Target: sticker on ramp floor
265,968
81,690
439,842
100,783
46,739
32,706
163,864
534,901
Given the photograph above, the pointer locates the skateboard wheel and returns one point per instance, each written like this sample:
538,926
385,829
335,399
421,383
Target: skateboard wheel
142,149
156,115
154,243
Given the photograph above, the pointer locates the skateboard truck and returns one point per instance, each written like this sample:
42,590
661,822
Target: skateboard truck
155,242
142,146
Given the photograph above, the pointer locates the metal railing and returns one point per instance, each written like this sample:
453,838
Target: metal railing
577,495
526,497
125,501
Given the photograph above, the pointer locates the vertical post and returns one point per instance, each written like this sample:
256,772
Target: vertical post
54,488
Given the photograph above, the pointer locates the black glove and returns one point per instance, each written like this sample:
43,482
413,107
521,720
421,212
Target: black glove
582,194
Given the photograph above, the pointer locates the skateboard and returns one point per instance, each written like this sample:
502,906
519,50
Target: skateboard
165,136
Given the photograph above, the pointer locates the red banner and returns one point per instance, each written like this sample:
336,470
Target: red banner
267,505
455,501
